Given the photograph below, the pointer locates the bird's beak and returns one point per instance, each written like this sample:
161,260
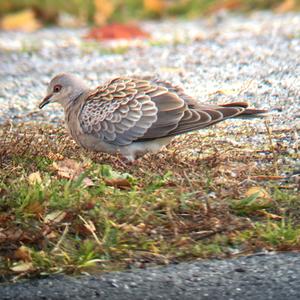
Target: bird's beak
45,101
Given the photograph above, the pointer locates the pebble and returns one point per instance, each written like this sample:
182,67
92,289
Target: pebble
252,58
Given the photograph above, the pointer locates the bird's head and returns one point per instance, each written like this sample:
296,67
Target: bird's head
64,88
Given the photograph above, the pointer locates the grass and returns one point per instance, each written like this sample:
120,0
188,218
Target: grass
48,10
67,210
88,47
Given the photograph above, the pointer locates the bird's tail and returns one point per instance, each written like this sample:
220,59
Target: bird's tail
248,112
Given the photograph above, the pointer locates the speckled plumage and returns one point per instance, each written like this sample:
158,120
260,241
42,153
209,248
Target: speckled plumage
133,116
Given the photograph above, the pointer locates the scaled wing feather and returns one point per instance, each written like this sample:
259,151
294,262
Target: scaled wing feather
129,109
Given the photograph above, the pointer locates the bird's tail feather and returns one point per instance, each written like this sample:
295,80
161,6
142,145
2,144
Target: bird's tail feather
248,112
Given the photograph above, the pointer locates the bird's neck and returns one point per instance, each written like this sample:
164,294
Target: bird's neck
72,110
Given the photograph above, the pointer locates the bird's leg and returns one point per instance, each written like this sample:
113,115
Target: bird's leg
123,161
130,160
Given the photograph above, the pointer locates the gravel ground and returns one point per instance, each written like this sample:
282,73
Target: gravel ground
224,58
264,277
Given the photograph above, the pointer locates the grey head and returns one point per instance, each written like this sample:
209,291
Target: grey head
64,88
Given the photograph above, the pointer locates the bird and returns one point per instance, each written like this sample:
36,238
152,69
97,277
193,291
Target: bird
133,116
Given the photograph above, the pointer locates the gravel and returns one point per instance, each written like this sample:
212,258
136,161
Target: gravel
273,277
251,58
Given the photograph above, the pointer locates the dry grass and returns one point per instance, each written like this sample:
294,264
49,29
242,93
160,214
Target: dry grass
192,200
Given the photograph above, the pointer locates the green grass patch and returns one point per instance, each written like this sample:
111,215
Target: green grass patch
67,210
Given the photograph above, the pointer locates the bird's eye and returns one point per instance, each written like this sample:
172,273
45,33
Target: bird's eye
57,88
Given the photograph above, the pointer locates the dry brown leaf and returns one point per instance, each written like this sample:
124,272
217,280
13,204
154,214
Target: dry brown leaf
68,168
157,6
55,217
269,215
52,235
22,21
286,6
23,267
261,193
104,10
11,235
55,156
35,178
141,226
120,183
35,208
5,217
71,169
183,241
215,223
23,253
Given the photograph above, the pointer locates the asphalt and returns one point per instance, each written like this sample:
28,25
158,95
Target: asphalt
259,277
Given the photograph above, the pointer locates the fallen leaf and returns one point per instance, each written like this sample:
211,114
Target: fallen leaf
225,5
87,182
35,208
121,183
117,31
156,6
23,253
103,11
183,241
55,156
71,169
23,267
11,235
141,226
55,217
5,217
22,21
286,6
269,215
52,235
34,178
259,192
89,204
68,168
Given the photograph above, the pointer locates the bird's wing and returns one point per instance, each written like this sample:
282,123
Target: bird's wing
124,109
129,109
197,115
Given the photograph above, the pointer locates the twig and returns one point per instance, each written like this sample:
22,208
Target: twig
91,228
66,230
267,177
272,147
